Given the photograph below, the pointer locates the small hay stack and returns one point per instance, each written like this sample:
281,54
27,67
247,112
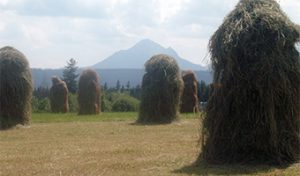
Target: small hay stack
59,96
15,88
253,115
161,89
189,98
89,93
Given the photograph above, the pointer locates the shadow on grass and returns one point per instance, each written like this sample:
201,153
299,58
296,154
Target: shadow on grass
202,168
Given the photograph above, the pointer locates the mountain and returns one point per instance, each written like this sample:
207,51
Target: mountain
136,56
42,77
125,65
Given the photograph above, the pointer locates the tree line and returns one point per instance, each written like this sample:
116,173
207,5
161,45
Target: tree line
128,94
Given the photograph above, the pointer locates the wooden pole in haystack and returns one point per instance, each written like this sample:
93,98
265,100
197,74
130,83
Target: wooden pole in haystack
161,89
89,93
253,115
189,98
15,88
59,96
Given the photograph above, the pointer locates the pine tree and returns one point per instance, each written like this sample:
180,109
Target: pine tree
70,76
202,89
118,85
128,85
105,87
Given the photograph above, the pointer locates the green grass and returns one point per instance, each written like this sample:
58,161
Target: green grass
106,116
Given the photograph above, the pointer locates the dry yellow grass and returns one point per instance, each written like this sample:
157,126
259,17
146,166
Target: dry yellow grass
110,148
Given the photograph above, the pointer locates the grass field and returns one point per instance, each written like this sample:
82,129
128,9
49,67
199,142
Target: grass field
111,144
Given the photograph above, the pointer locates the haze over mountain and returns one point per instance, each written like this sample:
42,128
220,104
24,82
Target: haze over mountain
136,56
126,65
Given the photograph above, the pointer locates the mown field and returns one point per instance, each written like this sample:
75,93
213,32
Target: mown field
111,144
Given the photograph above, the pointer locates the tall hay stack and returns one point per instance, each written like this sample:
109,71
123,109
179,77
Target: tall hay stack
89,93
161,89
189,98
59,96
15,88
253,115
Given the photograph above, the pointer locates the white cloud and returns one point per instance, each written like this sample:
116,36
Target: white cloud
169,8
2,26
36,36
50,32
291,8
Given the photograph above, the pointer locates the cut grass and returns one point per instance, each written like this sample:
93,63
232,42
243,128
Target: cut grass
103,145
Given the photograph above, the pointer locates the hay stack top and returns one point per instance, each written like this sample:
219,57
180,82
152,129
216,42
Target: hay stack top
89,75
13,58
162,62
56,80
255,28
189,76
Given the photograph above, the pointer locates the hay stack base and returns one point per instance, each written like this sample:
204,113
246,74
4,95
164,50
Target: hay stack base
89,93
15,88
161,89
253,113
59,96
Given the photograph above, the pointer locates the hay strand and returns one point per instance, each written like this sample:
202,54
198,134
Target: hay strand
89,93
161,89
15,88
253,113
189,98
59,96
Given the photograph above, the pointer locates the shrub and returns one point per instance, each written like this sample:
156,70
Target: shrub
59,96
40,104
253,112
106,105
73,103
125,103
161,90
189,98
89,93
15,88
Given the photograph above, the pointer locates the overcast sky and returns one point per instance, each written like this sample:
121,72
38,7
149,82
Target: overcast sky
49,32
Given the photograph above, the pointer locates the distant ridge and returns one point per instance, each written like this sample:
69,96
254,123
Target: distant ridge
136,56
42,77
126,65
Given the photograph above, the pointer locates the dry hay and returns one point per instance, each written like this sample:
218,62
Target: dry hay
59,96
15,88
89,93
189,98
161,89
253,114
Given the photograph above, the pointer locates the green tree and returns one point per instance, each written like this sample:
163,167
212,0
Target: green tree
128,85
70,76
202,91
118,85
135,92
105,87
122,89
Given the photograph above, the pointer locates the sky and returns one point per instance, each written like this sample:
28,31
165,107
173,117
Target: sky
50,32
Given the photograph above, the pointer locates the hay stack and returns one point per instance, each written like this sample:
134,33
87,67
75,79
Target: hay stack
89,93
15,88
161,89
253,115
59,96
189,98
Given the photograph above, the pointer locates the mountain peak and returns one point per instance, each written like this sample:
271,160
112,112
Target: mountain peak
136,56
147,43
